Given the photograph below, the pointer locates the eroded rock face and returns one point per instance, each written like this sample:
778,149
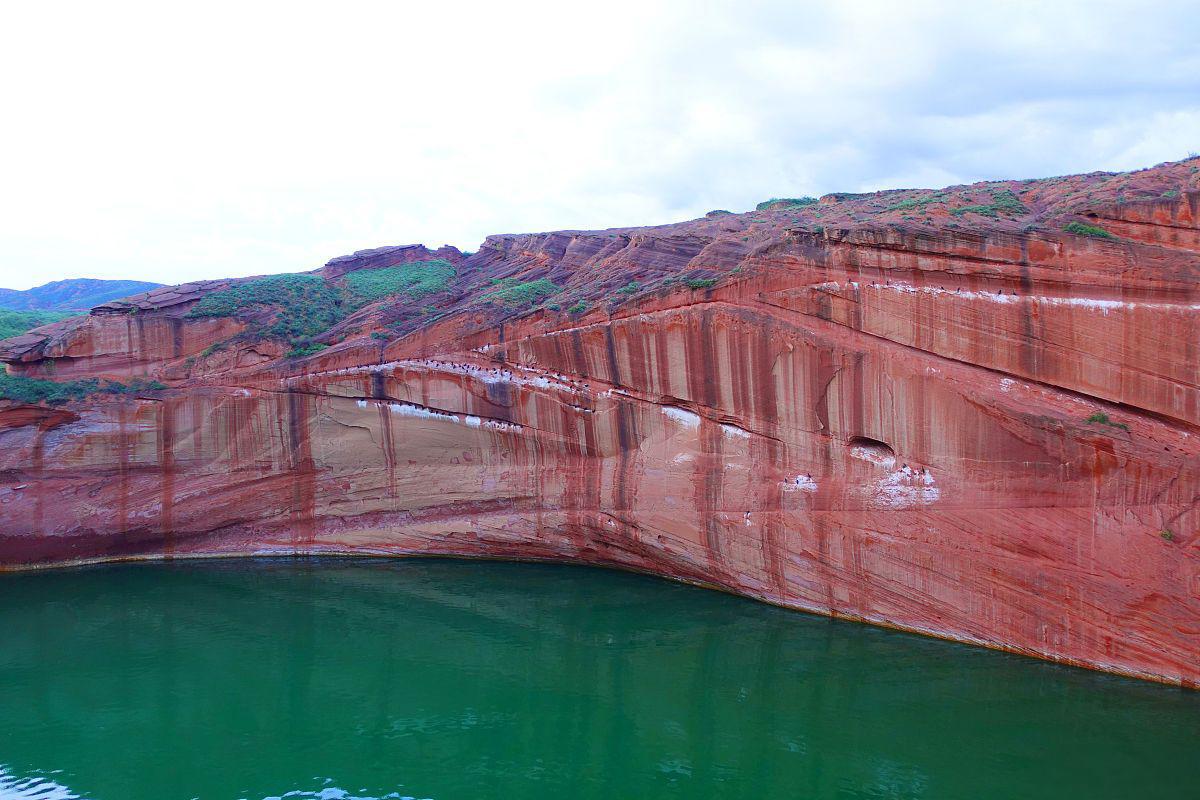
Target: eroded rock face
986,432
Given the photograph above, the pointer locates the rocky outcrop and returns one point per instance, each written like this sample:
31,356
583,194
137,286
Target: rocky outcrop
970,413
380,257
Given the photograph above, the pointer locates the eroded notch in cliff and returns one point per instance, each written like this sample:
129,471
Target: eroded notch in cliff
873,450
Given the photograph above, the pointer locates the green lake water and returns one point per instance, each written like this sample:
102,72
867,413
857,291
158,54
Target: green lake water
462,681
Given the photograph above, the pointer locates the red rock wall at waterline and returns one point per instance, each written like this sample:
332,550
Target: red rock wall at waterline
886,426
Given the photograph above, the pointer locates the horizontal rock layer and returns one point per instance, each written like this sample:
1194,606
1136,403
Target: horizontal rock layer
985,433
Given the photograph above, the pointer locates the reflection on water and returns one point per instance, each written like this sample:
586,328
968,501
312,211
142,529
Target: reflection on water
446,680
41,788
36,787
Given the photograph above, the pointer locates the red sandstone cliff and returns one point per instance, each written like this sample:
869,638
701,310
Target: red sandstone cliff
940,411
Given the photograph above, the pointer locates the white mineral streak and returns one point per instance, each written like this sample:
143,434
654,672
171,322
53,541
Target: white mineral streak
471,421
682,416
874,455
410,410
1089,303
521,376
905,488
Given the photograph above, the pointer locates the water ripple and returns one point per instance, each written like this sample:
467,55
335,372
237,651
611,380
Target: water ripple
34,787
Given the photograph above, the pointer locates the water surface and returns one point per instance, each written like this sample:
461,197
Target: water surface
467,681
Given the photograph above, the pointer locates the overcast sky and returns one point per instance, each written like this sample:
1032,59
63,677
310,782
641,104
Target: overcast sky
169,141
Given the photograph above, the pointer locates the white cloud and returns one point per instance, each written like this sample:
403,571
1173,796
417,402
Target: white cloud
168,142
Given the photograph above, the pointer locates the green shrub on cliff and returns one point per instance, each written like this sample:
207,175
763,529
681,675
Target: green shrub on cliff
135,386
1006,202
1100,418
513,293
785,202
918,203
1081,229
307,349
305,306
22,389
1003,202
983,210
418,279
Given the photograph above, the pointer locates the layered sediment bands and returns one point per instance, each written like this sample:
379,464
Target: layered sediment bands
139,337
987,435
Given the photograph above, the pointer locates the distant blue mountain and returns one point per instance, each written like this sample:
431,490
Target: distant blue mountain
74,294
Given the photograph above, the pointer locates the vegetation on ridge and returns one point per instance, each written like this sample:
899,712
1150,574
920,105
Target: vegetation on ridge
785,202
416,280
307,305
